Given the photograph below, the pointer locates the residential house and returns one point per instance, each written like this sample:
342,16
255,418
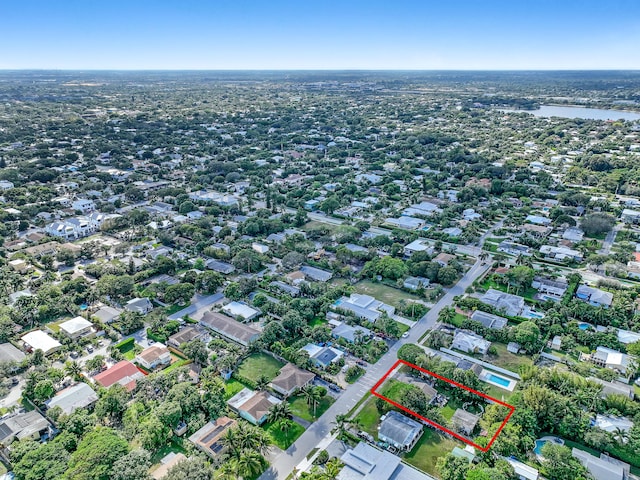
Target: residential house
72,398
322,356
230,328
139,305
470,343
30,425
405,222
561,254
423,209
549,289
365,462
107,314
9,353
612,424
154,356
522,470
38,340
399,431
512,248
240,310
511,305
259,247
538,220
72,228
290,379
253,406
316,274
630,216
185,335
573,234
443,259
364,306
220,267
603,468
208,439
283,287
83,205
614,388
351,333
167,462
77,328
489,320
609,358
452,231
123,373
415,283
594,296
418,245
464,422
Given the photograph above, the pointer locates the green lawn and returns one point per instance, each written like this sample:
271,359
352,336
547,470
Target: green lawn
232,387
300,408
508,360
384,293
283,439
369,418
317,321
128,350
395,389
528,293
259,364
175,446
429,448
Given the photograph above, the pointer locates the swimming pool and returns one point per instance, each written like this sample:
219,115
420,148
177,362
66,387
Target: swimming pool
583,326
541,441
499,380
539,445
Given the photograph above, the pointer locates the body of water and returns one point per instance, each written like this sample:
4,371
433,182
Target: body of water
499,380
580,112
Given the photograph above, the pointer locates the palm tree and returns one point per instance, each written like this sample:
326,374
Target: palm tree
73,369
249,464
332,468
279,411
262,383
284,425
620,435
483,256
227,471
231,441
312,395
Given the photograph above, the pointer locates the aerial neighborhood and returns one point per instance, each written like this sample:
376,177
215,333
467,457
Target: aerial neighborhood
221,277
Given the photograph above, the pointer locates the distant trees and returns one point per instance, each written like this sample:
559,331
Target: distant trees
597,223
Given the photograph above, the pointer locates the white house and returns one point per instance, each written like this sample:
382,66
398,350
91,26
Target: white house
84,205
154,356
470,343
76,328
38,340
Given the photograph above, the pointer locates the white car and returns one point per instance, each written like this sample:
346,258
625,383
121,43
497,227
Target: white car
405,334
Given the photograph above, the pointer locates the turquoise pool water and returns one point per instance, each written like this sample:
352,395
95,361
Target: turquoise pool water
539,445
499,380
583,326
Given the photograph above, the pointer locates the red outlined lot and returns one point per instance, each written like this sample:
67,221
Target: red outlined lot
511,408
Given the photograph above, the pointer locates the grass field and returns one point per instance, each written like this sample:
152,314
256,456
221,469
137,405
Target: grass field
528,293
259,364
429,448
300,408
175,446
369,418
283,439
232,387
394,389
318,321
384,293
508,360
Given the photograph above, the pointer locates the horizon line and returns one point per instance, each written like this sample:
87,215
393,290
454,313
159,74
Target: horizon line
417,70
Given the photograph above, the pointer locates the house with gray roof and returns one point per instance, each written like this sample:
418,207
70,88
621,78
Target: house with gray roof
290,379
464,422
322,356
469,342
594,296
9,353
364,306
27,425
316,274
348,332
508,303
489,320
364,462
72,398
399,430
603,468
220,267
229,328
139,305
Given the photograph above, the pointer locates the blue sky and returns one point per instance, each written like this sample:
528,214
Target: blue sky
328,34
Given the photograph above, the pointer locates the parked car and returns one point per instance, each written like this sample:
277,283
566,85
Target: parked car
90,349
74,354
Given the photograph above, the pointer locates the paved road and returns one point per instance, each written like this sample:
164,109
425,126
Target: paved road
609,239
284,464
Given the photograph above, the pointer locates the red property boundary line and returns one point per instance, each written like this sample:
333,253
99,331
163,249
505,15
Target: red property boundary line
437,425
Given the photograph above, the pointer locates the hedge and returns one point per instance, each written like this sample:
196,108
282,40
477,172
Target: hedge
124,343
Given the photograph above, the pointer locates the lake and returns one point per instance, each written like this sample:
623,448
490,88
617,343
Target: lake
580,112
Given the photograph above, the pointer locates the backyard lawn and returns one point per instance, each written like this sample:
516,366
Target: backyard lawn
174,446
369,418
384,293
232,387
300,408
429,448
395,390
528,293
508,360
283,439
257,365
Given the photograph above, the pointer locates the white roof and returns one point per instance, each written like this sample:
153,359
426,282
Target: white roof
611,423
38,340
75,325
522,469
238,309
